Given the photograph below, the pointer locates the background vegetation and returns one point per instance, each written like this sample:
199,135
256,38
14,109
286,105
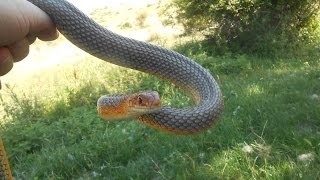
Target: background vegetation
270,128
263,27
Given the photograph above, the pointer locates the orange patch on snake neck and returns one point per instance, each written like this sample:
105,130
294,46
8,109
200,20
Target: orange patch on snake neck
114,112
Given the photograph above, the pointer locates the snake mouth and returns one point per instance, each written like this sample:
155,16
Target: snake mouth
143,110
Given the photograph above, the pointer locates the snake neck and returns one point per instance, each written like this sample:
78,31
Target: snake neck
113,107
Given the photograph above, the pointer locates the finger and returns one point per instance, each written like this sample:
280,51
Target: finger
6,61
48,34
31,38
19,50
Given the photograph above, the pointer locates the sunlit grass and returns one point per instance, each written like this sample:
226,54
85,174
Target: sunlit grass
254,89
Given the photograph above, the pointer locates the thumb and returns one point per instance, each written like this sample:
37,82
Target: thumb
40,25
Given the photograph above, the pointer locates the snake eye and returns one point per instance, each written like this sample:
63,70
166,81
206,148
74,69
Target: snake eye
140,100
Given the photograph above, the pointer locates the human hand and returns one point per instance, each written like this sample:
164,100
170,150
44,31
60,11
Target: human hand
20,24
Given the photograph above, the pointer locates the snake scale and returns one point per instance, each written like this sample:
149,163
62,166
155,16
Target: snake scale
166,64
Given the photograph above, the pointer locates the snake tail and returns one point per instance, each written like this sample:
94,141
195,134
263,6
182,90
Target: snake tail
5,172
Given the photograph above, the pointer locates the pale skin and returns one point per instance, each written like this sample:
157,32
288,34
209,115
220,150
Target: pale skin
21,23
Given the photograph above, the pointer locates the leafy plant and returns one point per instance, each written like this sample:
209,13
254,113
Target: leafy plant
268,28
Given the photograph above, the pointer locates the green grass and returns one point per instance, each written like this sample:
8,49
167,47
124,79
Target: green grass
54,132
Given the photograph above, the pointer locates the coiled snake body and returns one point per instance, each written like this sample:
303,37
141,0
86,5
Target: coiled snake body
155,60
166,64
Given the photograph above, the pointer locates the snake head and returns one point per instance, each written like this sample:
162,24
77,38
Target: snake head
143,103
128,106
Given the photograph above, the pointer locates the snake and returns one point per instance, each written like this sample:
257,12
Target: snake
145,106
166,64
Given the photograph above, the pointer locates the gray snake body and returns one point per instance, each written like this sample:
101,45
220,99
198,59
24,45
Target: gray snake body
142,56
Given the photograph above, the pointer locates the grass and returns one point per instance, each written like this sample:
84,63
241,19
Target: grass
271,117
270,128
